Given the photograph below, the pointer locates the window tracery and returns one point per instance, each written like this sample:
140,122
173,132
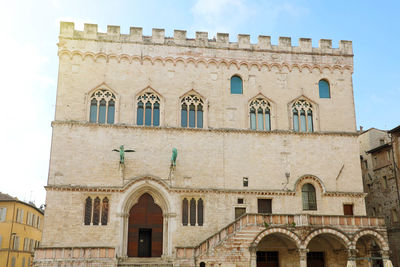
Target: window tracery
148,109
260,114
302,116
192,111
102,107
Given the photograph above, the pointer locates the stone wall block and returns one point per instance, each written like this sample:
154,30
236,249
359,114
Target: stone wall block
158,36
90,31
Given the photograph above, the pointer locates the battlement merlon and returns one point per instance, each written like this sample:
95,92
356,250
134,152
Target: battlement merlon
90,32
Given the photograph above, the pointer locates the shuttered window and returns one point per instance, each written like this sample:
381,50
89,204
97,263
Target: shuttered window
309,198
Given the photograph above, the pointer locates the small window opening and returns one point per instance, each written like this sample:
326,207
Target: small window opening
239,212
236,85
240,201
348,209
245,181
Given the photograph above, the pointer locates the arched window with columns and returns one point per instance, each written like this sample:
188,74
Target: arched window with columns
302,116
192,110
148,109
102,106
260,114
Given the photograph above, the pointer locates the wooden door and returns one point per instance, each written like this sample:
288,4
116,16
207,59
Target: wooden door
267,259
144,245
145,215
315,259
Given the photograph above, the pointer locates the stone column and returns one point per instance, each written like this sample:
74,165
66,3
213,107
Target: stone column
303,257
352,254
385,258
122,250
253,257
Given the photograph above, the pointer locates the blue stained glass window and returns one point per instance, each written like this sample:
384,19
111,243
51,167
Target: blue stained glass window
147,114
260,122
156,114
236,85
139,117
310,121
184,115
267,121
192,116
102,111
324,90
110,112
93,111
253,119
199,116
303,121
295,120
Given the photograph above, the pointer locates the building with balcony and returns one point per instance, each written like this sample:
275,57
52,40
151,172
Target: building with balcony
176,151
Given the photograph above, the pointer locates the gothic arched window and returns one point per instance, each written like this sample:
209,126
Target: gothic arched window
200,216
193,212
309,198
324,90
236,85
260,114
96,211
302,116
185,208
102,107
88,211
148,109
104,211
192,107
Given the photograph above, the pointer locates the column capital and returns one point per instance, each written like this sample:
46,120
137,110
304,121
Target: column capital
385,254
303,253
123,214
352,253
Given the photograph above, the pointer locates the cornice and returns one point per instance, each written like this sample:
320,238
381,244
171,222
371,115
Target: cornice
208,61
210,130
184,190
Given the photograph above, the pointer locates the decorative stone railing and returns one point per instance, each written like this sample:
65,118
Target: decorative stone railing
75,253
90,32
273,220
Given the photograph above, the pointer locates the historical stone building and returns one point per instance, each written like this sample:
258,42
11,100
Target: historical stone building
378,155
267,167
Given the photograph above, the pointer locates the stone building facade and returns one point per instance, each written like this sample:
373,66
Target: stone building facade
378,155
267,160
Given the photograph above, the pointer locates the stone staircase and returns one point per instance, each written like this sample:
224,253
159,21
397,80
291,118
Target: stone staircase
144,262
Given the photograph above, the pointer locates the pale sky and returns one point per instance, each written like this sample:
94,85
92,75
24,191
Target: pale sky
29,62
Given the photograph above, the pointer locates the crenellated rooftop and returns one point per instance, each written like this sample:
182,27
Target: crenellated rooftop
90,32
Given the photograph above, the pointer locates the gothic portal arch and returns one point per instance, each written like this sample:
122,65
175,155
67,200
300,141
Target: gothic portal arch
145,212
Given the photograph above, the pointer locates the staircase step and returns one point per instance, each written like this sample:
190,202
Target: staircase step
145,262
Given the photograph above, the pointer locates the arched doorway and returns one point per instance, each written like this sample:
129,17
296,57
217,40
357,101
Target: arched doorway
145,229
368,252
326,250
277,249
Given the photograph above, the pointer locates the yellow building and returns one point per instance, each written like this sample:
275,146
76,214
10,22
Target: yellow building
20,231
